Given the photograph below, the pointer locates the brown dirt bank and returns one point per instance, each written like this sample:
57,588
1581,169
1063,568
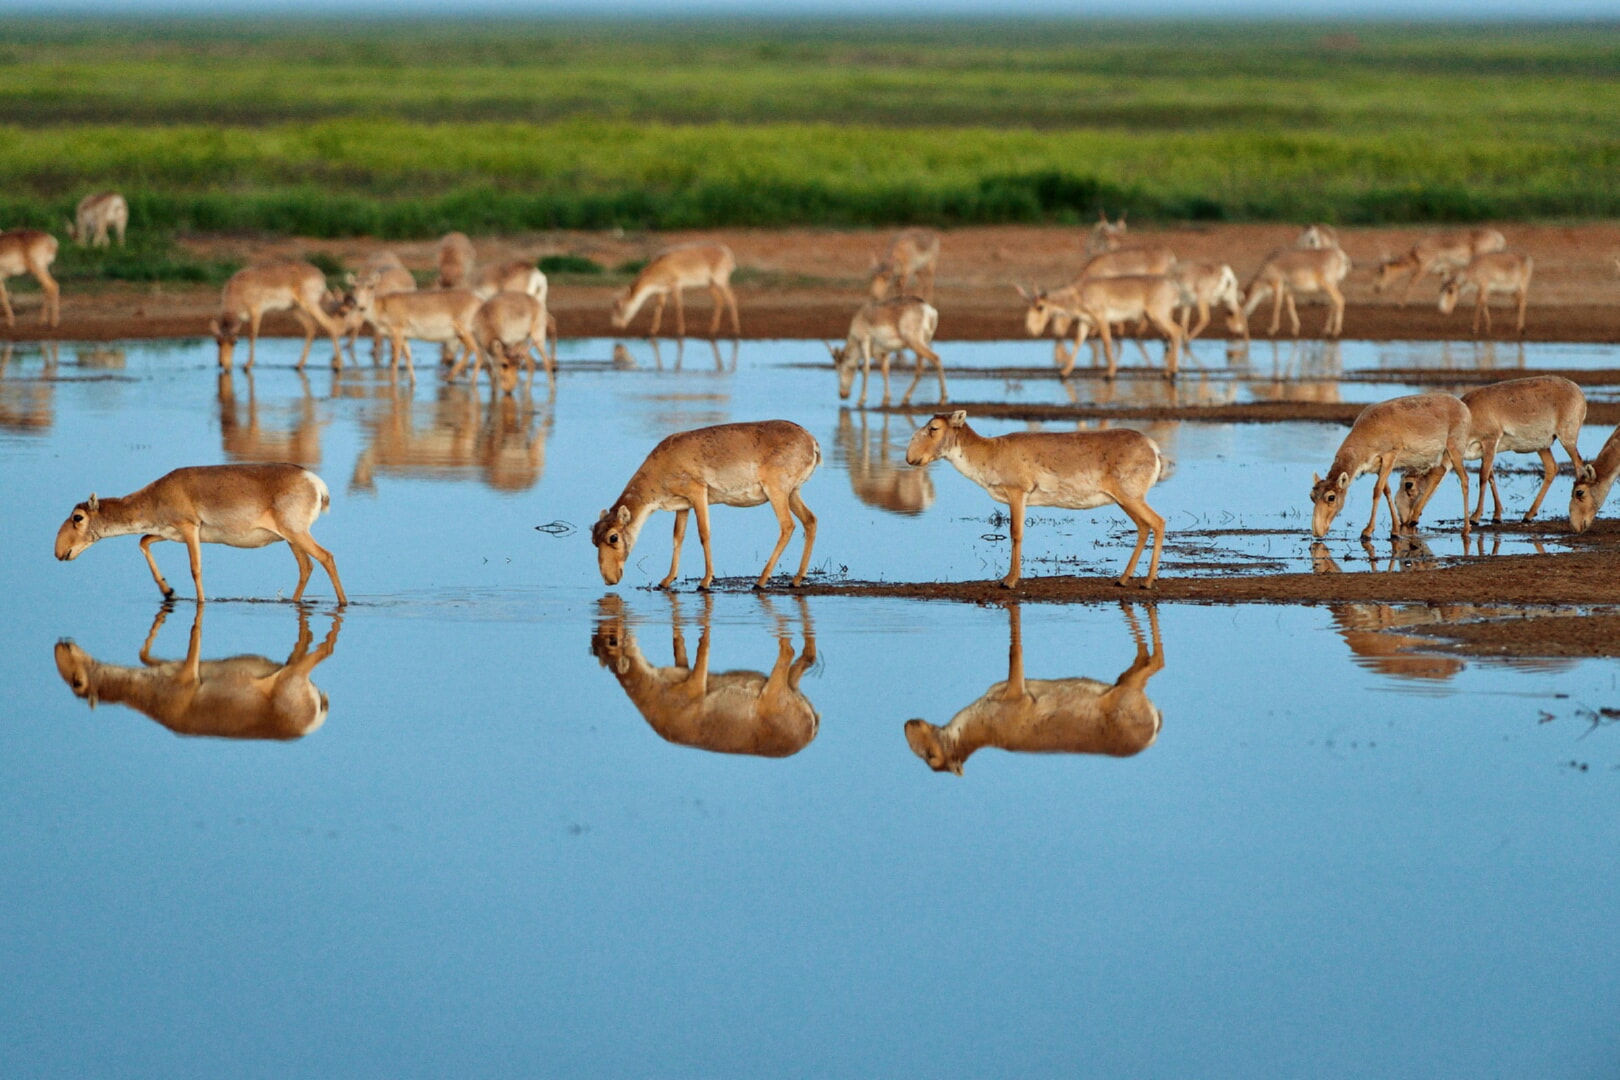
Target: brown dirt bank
803,283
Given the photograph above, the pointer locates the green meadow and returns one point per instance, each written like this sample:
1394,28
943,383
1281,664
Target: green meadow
406,130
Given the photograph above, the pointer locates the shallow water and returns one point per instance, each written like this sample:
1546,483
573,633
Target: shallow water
488,837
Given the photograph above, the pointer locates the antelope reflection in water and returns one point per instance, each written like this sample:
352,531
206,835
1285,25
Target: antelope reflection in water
245,440
502,443
27,406
239,697
1051,716
880,477
729,712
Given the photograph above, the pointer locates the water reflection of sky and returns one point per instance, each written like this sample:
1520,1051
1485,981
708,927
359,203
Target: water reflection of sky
487,861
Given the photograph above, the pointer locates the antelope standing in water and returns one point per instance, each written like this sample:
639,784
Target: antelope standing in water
1438,254
1493,272
516,276
724,712
29,251
436,315
382,273
1522,416
95,215
886,327
245,506
1203,285
1301,270
251,293
1592,484
730,465
1051,716
1077,470
1094,304
675,269
1414,432
912,258
509,327
241,697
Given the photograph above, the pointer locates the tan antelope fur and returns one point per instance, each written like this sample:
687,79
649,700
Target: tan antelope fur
1413,432
241,697
1076,470
515,276
1592,483
1203,285
437,315
508,327
723,712
245,506
1521,416
257,290
879,476
1095,304
95,215
456,262
1317,238
1051,716
1440,253
728,465
1302,271
378,280
1493,272
1105,235
454,437
912,259
29,251
1120,262
886,327
675,269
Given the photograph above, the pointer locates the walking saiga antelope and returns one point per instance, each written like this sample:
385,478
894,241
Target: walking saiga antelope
1413,432
241,697
672,270
1493,272
441,315
29,251
1440,254
1105,235
1592,483
730,465
95,215
244,506
1301,270
251,293
886,327
1051,716
1077,470
1204,285
1523,416
1094,304
456,261
913,254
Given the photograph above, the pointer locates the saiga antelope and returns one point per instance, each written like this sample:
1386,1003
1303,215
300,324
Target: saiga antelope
251,293
1413,432
245,506
29,251
1105,235
440,315
516,276
1592,483
382,273
673,270
1522,416
1301,270
886,327
508,327
1317,238
1120,262
456,261
1094,304
1077,470
913,254
1203,285
1493,272
1438,254
1051,716
730,465
95,215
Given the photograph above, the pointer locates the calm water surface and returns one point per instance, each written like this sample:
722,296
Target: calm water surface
500,820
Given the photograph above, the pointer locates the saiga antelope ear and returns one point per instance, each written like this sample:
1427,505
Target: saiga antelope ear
958,418
92,504
602,516
832,349
1315,479
1344,480
624,514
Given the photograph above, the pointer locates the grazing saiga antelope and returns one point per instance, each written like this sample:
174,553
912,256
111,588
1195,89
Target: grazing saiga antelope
241,697
724,712
1317,238
886,327
1522,416
1438,254
1051,716
1301,270
1105,235
674,269
456,261
913,254
508,327
1076,470
879,477
1094,304
729,464
95,215
440,315
1592,483
1493,272
514,276
29,251
251,293
1413,432
245,506
1204,285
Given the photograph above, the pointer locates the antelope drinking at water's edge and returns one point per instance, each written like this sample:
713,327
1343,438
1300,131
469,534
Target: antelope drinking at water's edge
674,269
95,215
1592,483
886,327
1051,716
729,464
1096,303
1414,432
251,293
509,327
914,254
1493,272
241,697
1438,254
1300,270
245,506
1077,470
29,251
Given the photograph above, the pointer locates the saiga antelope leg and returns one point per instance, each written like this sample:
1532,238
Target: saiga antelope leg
1380,486
1203,319
1108,347
1293,313
1455,454
796,503
5,304
322,556
1549,471
717,298
157,575
784,522
1276,309
1145,518
866,370
1015,511
885,356
731,303
658,314
305,567
700,509
191,535
1172,347
675,558
309,336
1335,320
1524,296
1487,478
255,316
680,313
